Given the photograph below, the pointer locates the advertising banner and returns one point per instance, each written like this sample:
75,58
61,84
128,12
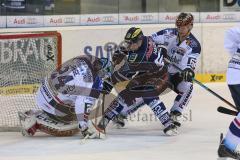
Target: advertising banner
62,20
97,19
170,17
138,18
24,21
211,17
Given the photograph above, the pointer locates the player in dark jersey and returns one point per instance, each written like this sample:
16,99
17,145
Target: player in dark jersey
144,67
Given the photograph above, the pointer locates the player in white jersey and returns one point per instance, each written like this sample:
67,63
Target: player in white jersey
230,145
66,97
183,51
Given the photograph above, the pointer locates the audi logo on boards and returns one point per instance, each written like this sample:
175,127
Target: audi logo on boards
108,19
69,20
31,21
229,17
147,18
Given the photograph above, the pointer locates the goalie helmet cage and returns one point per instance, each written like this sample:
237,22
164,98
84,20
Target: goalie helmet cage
25,59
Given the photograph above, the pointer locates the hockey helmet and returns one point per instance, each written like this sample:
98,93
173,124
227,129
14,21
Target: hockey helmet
133,35
106,69
184,19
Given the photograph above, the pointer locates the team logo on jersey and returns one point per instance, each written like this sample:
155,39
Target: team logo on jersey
132,57
178,50
192,43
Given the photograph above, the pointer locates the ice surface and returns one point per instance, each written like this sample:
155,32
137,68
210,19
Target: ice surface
141,139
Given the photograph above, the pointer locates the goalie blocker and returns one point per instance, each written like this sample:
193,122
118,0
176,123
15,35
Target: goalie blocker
66,98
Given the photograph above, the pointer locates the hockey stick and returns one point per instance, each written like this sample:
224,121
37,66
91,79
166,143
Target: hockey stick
205,87
103,108
225,110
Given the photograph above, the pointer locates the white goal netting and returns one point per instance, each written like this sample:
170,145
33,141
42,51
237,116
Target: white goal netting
25,58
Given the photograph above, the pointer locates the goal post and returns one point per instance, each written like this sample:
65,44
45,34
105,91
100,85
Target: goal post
25,59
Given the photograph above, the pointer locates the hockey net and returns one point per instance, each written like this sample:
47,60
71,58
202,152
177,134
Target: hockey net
25,59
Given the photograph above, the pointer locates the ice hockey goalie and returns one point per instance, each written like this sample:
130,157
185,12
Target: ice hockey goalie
66,97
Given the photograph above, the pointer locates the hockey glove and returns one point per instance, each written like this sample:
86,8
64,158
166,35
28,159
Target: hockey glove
88,134
91,131
188,75
159,61
162,50
118,56
107,87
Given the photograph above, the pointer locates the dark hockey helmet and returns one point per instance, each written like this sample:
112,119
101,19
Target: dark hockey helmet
133,35
184,19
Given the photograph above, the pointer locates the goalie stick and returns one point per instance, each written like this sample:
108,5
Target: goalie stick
209,90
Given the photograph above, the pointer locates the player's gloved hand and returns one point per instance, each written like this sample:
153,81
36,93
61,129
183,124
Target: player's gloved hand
163,50
91,132
188,75
118,56
159,61
88,134
107,87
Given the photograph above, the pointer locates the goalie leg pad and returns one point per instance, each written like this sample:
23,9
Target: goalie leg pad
33,120
56,128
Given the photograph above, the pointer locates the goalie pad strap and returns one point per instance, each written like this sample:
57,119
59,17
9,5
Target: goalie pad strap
58,133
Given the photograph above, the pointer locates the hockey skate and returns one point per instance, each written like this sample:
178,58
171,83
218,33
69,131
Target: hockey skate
119,121
171,130
28,124
93,132
103,123
224,152
176,117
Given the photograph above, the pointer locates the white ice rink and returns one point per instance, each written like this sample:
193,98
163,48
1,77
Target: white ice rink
141,139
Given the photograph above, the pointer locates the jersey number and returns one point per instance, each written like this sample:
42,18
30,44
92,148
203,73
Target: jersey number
63,79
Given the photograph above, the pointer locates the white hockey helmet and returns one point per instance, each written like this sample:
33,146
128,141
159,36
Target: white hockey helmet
107,68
